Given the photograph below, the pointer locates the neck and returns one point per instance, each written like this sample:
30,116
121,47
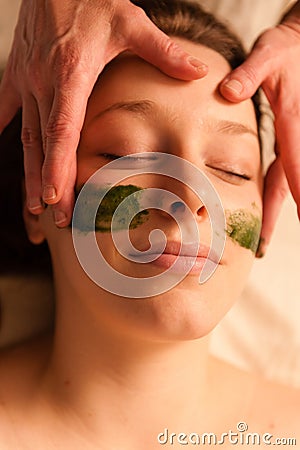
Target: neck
140,384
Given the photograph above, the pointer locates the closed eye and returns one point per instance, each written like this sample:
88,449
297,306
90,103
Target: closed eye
131,157
230,175
110,156
240,175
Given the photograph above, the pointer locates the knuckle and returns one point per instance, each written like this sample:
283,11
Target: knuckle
265,46
127,25
59,128
169,47
66,61
137,14
30,137
268,44
250,74
57,134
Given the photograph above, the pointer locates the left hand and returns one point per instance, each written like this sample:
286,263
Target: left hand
274,64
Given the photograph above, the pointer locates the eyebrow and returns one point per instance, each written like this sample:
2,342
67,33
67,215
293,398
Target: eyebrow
230,127
145,107
148,108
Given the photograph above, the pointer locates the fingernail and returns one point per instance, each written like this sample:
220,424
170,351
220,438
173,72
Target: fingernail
197,64
49,193
262,248
234,85
34,204
59,217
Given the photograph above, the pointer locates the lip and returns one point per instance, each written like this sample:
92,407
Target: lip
189,258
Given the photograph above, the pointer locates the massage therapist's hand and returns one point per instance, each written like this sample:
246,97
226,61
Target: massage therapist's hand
274,63
59,49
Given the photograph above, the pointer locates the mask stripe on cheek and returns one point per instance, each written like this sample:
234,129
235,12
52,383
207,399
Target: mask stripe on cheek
243,227
107,208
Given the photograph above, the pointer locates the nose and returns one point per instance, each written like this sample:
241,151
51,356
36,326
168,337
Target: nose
186,199
179,208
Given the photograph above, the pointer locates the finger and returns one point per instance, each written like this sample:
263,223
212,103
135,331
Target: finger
33,155
275,191
62,211
151,44
10,102
243,82
288,138
62,135
44,107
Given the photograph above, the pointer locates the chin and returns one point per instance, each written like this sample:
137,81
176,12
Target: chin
190,310
180,314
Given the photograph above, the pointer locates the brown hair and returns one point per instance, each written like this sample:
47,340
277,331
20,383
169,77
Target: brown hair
190,21
176,18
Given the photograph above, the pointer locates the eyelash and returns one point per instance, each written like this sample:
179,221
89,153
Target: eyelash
239,175
229,173
112,156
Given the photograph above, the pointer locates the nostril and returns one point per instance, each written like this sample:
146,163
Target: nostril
201,211
177,207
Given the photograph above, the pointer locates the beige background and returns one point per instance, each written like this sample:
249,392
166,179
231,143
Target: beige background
8,17
262,331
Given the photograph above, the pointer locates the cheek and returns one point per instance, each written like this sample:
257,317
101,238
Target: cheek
121,203
243,227
243,213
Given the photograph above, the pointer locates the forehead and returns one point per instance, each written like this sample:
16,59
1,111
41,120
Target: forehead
129,78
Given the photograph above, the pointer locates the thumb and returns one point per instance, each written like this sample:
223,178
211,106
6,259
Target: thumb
151,44
243,82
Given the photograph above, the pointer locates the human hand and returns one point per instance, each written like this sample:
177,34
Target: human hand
274,65
59,49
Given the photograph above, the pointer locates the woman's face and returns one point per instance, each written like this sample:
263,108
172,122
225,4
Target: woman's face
136,108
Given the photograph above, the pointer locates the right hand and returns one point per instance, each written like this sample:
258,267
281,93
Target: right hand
59,50
273,64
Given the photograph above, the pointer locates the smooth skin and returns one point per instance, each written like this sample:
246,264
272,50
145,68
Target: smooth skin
118,371
60,49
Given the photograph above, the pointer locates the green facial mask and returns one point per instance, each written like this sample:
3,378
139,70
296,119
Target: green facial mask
244,227
107,207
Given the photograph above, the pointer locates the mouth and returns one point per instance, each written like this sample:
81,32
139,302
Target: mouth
189,258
